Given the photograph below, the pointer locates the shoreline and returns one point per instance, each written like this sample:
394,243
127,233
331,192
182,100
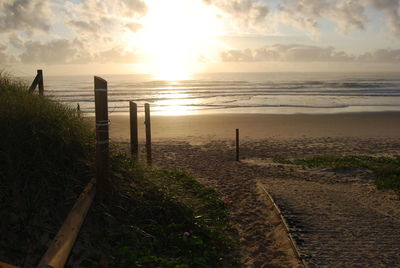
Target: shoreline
200,128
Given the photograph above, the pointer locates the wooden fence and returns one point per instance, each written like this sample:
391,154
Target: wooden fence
60,248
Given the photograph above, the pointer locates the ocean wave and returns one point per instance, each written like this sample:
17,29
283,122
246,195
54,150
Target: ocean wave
258,92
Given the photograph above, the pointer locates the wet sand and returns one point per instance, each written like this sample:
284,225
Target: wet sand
260,126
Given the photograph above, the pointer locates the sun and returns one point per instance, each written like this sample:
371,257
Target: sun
174,34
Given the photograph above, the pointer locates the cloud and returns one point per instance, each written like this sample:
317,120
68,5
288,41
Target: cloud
297,19
133,7
349,15
286,53
306,53
59,51
97,9
15,41
305,14
63,51
391,8
87,26
116,55
381,55
251,12
84,31
26,15
5,58
133,26
102,24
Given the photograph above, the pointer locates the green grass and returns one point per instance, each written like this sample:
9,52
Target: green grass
45,160
385,169
149,212
150,217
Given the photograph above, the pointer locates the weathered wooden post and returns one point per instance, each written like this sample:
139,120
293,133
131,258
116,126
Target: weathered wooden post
134,130
40,82
148,133
102,142
237,145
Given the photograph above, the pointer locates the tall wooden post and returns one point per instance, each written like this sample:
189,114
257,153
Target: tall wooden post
148,133
134,130
102,142
237,145
40,82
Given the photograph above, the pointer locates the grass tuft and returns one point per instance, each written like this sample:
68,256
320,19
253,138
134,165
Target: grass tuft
385,169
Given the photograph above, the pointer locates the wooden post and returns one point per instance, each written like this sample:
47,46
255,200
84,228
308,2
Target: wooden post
78,110
102,142
237,145
34,84
134,130
148,133
40,82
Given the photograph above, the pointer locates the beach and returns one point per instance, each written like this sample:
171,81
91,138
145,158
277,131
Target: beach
267,133
337,218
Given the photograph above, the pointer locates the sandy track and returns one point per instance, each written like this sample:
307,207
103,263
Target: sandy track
338,220
334,229
263,236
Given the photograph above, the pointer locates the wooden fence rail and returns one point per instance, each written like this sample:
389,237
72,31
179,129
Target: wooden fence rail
60,248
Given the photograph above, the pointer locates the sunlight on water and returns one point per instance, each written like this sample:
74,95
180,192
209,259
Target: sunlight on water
175,110
176,104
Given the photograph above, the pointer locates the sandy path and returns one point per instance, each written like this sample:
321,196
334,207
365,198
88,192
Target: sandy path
334,228
264,239
338,220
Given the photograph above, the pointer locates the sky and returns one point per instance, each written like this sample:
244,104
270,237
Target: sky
172,39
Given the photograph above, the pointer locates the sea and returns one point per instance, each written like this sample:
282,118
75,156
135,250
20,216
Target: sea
244,93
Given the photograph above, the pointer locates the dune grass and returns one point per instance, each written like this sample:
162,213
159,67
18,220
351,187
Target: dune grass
151,217
386,169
